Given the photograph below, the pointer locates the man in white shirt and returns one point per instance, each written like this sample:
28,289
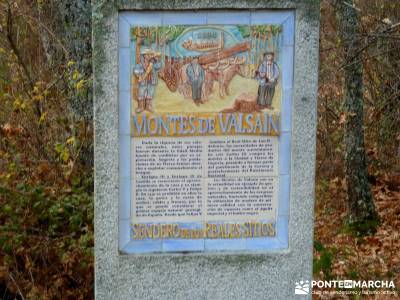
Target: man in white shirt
267,75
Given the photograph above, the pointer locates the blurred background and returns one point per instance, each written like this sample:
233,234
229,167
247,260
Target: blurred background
46,146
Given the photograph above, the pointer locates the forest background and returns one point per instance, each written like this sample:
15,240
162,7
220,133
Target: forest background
46,146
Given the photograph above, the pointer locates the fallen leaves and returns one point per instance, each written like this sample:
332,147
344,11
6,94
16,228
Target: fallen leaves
370,257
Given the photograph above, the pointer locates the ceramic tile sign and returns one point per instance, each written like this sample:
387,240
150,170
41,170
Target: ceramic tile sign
208,158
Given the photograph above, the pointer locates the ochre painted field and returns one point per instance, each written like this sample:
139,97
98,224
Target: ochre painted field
168,102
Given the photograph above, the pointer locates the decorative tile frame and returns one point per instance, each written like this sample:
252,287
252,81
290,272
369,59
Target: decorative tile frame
280,242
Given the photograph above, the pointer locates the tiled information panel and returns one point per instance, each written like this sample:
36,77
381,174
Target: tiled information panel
205,129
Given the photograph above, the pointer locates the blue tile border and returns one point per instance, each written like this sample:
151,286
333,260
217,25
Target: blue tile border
284,195
123,33
287,61
124,198
182,245
148,246
269,17
124,113
280,241
282,227
124,70
124,233
284,153
125,156
286,110
289,30
235,18
142,18
179,18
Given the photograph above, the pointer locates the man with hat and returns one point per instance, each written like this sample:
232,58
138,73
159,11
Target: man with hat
147,72
196,76
267,75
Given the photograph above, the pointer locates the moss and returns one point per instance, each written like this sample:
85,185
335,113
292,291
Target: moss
324,262
362,228
367,227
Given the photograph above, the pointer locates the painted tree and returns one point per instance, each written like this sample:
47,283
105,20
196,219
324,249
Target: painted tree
137,35
363,217
265,40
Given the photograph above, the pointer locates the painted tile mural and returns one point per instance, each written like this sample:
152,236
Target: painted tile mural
206,68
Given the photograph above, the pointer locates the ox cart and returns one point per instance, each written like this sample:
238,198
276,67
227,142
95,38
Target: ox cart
172,72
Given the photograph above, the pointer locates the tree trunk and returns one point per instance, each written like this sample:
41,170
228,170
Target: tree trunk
363,218
257,52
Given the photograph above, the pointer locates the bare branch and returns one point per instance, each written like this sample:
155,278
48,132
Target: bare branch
15,49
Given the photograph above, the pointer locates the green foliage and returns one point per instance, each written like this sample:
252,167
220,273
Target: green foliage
3,70
323,262
364,228
245,31
263,30
353,274
165,33
48,228
172,32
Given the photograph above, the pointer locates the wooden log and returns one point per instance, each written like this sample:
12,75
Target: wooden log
221,54
244,103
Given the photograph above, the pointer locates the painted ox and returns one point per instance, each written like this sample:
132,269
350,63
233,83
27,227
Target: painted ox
221,71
